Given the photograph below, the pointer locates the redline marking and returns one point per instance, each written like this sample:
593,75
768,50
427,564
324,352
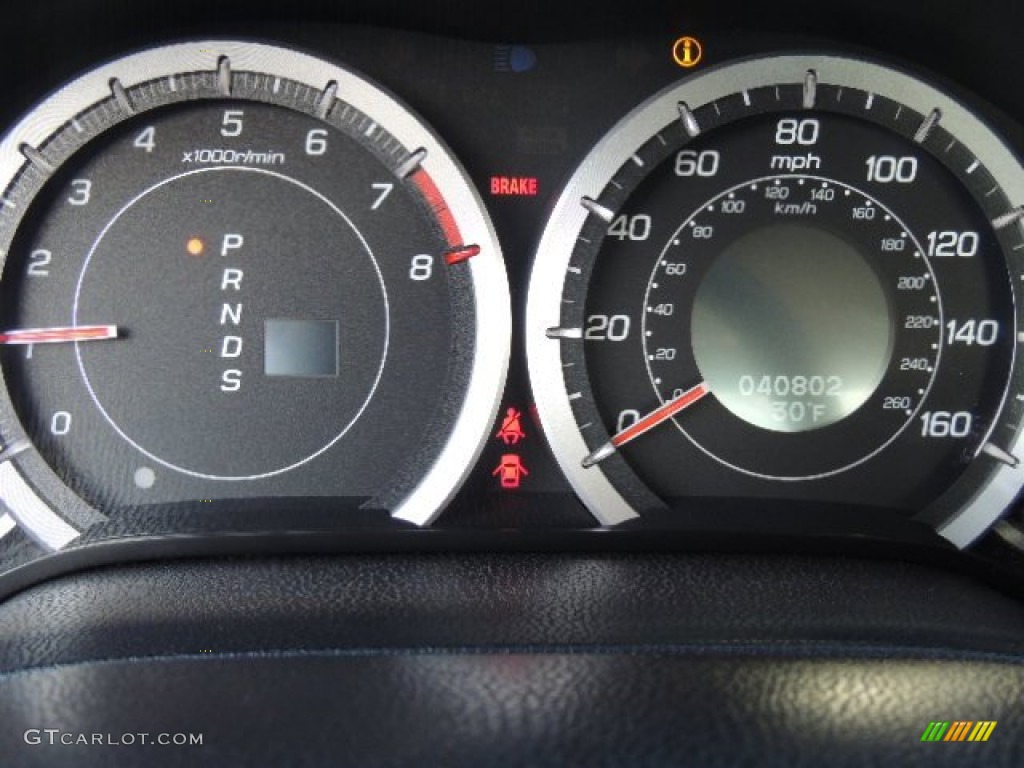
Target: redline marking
463,253
437,204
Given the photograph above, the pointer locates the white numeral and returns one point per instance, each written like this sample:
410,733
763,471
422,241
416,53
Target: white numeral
626,419
38,263
147,139
81,192
946,424
607,328
886,169
316,142
422,267
950,243
793,131
689,162
385,189
232,123
631,227
60,424
970,332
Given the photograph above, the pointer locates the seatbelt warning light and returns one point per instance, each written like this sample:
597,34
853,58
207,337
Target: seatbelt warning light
511,431
520,186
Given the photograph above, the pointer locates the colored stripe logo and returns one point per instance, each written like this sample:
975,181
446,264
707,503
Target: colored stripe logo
958,730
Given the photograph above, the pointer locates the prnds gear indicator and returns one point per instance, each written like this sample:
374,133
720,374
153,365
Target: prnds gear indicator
788,283
287,286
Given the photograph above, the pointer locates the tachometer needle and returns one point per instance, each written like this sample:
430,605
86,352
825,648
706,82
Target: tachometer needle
647,423
59,335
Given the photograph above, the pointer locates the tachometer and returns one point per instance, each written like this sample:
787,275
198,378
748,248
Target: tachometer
787,280
234,271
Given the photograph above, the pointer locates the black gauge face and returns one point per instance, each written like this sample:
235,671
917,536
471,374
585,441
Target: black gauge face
231,285
797,291
815,312
233,359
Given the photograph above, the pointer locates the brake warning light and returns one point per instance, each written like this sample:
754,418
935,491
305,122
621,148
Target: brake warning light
521,186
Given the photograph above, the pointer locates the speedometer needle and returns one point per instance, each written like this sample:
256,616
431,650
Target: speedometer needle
647,423
58,335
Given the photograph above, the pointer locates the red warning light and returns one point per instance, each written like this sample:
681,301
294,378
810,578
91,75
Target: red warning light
510,471
521,186
511,431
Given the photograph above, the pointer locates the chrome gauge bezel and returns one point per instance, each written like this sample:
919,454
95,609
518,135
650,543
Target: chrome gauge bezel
492,327
553,262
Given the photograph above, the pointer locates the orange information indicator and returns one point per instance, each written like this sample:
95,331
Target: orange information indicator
687,52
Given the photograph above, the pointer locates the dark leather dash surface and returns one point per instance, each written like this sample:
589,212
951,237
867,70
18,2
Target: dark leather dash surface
516,709
412,602
513,660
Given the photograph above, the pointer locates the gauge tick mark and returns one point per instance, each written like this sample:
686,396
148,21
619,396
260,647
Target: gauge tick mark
688,119
997,453
597,209
12,450
224,75
37,159
326,101
461,254
411,164
564,333
121,97
927,125
810,88
1008,218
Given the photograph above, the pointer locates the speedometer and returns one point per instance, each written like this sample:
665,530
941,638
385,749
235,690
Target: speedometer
787,280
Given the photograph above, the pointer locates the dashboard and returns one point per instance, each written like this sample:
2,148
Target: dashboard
499,366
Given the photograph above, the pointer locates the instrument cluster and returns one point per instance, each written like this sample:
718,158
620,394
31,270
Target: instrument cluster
363,288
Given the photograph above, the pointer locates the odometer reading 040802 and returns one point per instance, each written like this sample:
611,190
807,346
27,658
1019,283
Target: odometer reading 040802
796,285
